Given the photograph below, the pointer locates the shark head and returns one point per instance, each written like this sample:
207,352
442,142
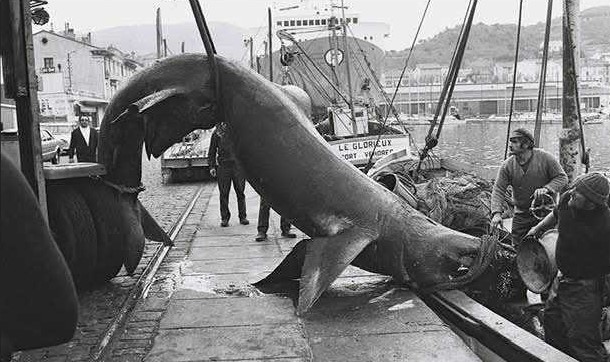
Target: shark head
449,260
157,108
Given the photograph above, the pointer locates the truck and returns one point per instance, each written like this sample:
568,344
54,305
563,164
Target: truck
187,160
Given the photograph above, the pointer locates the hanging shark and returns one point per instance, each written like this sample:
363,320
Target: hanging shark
349,218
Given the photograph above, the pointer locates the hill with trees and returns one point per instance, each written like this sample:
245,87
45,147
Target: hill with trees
496,42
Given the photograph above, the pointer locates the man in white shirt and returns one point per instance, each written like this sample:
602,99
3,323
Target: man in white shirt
84,141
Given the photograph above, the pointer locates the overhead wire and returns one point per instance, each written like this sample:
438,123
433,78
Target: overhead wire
369,162
512,95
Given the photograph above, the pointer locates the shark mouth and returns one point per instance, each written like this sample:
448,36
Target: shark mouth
468,267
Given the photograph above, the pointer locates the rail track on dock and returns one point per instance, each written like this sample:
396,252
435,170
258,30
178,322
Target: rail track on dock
105,310
143,284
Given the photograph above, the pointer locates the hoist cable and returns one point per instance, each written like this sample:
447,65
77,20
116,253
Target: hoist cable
512,95
542,83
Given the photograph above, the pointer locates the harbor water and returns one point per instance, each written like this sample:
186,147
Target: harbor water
482,144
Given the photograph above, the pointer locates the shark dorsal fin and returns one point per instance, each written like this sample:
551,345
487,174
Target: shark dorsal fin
326,259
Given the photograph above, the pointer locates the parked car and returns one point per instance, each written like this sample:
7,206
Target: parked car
62,131
51,147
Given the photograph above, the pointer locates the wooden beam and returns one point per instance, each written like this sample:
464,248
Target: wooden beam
26,98
569,140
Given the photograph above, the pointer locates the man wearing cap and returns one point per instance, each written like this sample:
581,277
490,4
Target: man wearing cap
572,317
532,172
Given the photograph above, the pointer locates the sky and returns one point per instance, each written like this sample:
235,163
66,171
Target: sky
403,16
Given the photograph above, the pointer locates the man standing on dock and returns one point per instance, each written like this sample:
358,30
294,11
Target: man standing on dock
83,142
263,223
572,316
224,166
532,172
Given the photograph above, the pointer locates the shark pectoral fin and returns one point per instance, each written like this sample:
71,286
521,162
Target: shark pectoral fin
152,230
325,260
126,114
148,102
157,98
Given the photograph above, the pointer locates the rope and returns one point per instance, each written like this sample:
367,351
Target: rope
542,85
450,81
282,34
443,96
456,67
379,86
512,96
369,163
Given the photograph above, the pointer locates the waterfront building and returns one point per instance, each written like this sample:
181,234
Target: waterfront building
71,70
487,99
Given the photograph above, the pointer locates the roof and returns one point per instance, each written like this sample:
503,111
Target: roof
66,37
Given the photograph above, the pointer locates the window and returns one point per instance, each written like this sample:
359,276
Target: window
298,22
48,62
348,20
279,23
45,135
317,21
323,21
355,21
311,22
286,22
291,22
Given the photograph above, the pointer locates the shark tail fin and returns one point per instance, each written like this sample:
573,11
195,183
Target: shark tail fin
152,230
290,268
326,258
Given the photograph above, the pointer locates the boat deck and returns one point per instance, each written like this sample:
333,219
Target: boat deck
214,313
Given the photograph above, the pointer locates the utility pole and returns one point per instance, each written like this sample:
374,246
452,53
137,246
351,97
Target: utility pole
270,47
159,35
21,86
249,43
569,141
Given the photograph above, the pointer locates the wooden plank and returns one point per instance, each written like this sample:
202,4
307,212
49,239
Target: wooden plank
512,334
26,99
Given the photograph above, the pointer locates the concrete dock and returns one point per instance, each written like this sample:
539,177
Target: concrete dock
210,311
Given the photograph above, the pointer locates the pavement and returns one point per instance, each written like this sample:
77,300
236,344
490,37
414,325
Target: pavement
208,311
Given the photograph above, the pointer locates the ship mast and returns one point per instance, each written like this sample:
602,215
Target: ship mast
347,69
570,140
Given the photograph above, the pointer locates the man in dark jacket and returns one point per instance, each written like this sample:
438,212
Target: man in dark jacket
84,141
572,317
224,166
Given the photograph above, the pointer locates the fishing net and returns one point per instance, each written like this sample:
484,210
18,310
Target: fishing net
461,202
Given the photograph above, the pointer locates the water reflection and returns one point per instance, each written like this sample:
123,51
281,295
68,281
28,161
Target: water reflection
482,144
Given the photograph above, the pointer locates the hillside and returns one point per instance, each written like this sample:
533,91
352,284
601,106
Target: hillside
497,41
141,39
